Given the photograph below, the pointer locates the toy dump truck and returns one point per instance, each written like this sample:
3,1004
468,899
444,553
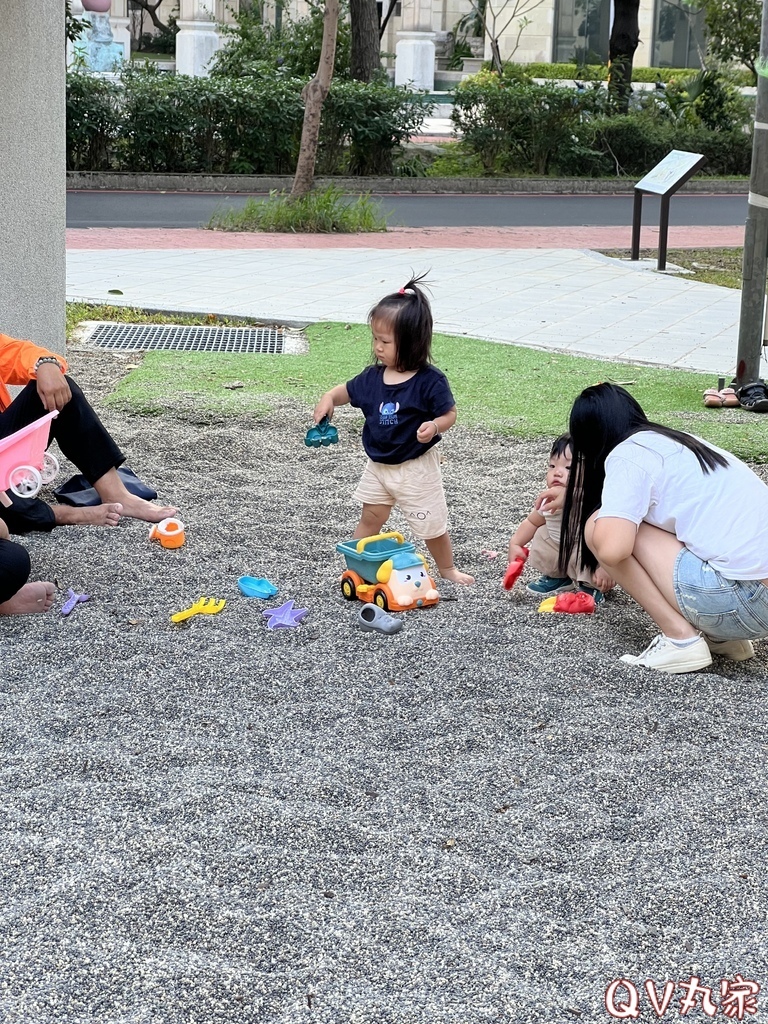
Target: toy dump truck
387,571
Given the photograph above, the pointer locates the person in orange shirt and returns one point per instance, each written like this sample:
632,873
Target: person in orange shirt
80,434
83,439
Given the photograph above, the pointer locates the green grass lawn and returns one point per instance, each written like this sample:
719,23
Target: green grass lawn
501,388
711,266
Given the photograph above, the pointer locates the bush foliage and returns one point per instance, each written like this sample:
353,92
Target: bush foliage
256,47
155,122
599,72
514,126
251,124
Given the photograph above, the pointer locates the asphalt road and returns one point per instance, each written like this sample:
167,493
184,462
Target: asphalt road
190,210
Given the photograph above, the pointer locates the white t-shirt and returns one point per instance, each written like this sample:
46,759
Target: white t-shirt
722,516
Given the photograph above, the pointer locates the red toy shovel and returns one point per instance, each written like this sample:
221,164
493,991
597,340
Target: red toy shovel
513,571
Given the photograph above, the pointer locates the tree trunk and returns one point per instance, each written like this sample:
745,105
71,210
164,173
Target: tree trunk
388,6
151,10
364,23
314,94
496,63
625,35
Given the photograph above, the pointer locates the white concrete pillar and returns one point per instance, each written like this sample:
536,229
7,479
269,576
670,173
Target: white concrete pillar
32,178
415,49
415,60
121,33
199,37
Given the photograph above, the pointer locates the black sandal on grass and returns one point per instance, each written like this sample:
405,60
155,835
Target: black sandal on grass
754,396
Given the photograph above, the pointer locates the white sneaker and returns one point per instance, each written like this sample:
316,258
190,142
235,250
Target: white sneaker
734,650
665,656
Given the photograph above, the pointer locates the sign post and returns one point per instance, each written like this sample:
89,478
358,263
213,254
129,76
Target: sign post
663,180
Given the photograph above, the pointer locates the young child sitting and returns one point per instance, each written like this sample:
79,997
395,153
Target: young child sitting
540,532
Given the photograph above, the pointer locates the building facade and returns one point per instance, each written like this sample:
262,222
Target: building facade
565,31
419,31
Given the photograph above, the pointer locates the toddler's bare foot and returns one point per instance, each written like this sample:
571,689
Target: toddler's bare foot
139,508
456,576
33,597
88,515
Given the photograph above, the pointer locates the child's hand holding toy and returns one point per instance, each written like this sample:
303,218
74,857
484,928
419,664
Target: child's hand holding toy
514,569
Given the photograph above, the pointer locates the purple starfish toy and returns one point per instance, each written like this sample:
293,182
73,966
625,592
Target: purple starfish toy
73,600
284,616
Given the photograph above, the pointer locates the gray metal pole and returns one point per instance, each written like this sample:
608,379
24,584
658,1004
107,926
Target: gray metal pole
755,268
637,216
661,263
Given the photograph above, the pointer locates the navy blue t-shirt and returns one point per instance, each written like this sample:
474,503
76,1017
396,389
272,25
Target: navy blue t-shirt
394,412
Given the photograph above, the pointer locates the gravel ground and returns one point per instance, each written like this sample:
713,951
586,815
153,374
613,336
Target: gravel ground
485,817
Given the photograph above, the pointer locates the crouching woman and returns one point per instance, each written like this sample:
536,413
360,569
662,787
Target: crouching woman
682,526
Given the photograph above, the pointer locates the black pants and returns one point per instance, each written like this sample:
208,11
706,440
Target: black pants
14,568
80,434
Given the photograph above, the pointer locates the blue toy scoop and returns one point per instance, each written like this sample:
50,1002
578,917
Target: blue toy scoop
256,586
322,433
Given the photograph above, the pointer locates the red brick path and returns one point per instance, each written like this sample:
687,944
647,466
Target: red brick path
405,238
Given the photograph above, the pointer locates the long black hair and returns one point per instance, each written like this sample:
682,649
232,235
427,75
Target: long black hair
409,315
602,417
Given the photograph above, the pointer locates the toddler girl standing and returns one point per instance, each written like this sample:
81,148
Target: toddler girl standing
408,405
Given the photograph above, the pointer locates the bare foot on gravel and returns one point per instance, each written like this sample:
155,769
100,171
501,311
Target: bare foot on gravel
457,576
138,508
33,597
111,488
88,515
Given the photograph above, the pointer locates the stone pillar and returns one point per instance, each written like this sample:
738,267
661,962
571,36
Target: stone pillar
199,37
32,172
105,42
106,39
415,50
121,32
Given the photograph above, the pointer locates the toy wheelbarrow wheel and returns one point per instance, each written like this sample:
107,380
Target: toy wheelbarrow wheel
380,600
50,468
25,481
348,587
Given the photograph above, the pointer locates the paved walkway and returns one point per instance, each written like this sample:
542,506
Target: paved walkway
506,285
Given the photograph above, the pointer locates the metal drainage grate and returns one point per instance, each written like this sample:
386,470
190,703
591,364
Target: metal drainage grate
138,337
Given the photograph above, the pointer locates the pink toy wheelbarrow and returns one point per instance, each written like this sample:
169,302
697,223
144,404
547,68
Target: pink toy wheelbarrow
25,465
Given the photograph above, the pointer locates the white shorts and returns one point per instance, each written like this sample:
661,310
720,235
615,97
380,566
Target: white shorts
416,487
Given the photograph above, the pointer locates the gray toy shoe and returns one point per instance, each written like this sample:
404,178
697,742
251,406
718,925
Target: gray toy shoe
371,617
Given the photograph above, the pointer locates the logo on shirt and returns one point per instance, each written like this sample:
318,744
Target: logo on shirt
388,414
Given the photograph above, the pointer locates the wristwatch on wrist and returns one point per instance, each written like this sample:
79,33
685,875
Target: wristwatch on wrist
46,359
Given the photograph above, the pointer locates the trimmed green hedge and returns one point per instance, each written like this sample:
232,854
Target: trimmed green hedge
636,142
519,127
599,73
150,121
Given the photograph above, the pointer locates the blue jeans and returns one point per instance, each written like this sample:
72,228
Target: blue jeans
722,609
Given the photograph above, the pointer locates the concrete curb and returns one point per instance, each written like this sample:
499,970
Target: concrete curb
257,183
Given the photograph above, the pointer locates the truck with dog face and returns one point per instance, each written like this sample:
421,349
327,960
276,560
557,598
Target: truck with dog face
387,571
